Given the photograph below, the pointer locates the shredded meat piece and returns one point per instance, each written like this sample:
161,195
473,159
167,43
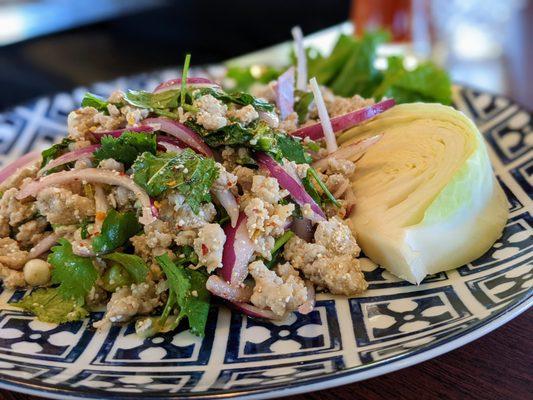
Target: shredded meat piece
331,261
11,255
283,292
61,206
31,232
12,211
127,302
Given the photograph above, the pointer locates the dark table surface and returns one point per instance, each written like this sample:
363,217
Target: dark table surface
496,366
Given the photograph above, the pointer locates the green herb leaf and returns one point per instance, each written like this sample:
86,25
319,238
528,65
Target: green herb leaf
301,106
50,306
292,149
75,275
135,266
127,147
242,77
153,101
117,228
92,100
241,98
187,172
278,245
187,290
425,83
55,151
311,172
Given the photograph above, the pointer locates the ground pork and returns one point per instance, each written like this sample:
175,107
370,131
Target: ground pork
290,123
154,242
12,211
212,112
126,302
61,206
331,261
209,246
15,180
281,293
11,255
174,210
31,232
11,278
111,165
244,114
265,222
225,180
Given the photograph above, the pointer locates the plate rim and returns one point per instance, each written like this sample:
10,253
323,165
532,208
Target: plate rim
347,376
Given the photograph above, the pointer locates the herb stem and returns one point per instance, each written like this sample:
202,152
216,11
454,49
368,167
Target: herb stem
311,171
184,78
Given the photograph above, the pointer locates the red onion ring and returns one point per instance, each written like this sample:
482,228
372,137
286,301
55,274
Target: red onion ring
238,251
346,121
256,312
284,89
69,157
191,83
181,132
20,162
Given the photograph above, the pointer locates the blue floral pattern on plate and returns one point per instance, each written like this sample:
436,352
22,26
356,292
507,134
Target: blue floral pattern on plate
342,340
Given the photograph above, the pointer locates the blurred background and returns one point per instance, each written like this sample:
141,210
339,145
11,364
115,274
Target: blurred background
48,46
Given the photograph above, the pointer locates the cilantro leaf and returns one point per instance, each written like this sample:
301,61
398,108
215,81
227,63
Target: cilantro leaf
117,228
292,149
50,306
75,275
54,151
135,266
127,147
241,98
187,172
187,291
92,100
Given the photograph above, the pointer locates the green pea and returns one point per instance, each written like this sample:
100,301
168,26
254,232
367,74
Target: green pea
116,276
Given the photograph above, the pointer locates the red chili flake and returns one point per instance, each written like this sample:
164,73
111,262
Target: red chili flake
204,249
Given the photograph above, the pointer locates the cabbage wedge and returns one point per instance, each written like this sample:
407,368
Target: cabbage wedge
426,196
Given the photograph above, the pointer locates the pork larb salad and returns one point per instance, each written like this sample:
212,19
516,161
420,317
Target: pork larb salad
158,202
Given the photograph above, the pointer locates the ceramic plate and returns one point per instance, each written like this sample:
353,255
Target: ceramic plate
395,324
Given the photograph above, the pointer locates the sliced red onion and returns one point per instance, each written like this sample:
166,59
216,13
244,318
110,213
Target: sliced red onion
350,202
174,84
346,121
256,312
69,157
352,152
219,287
270,117
20,162
238,251
181,132
43,246
91,175
331,141
119,132
284,89
303,228
227,200
293,186
309,304
301,58
154,209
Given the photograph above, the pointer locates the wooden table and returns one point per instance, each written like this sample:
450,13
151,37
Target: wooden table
496,366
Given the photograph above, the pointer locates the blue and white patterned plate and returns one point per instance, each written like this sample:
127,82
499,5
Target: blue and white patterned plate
392,326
